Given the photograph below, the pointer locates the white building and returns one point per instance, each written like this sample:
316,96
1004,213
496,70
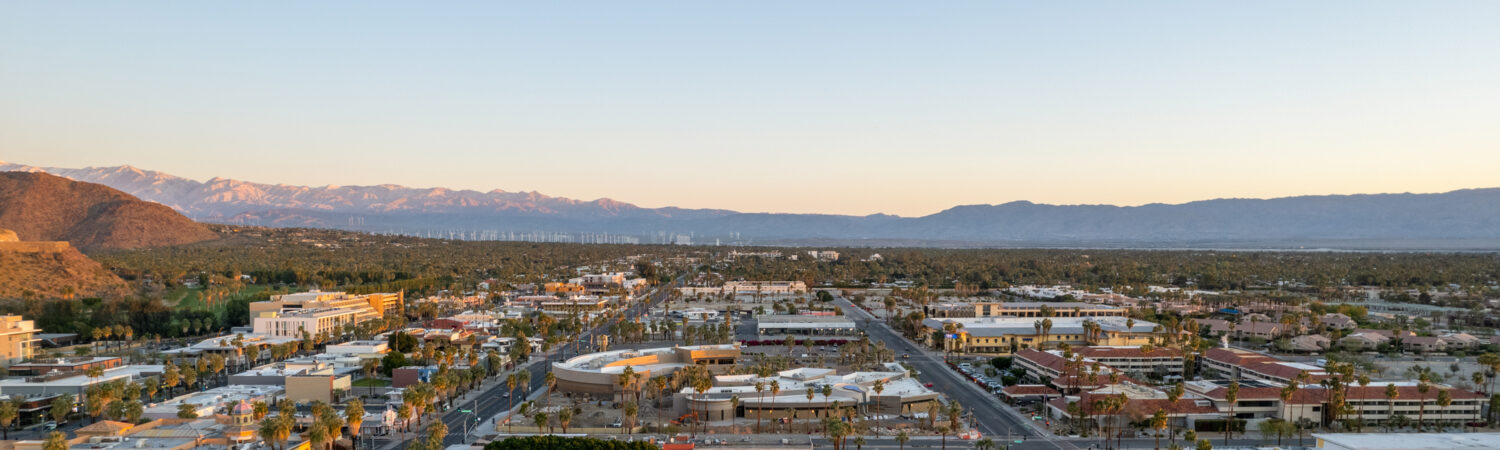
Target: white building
294,323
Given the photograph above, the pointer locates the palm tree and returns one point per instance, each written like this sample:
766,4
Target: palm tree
1444,399
1231,396
1159,423
902,438
1173,395
1391,394
760,390
984,444
354,415
540,419
630,412
734,406
701,384
943,430
510,390
564,417
1424,386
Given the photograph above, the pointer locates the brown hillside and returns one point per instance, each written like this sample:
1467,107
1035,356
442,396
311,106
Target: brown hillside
38,270
43,207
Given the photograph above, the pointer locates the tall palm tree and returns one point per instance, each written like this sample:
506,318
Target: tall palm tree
760,396
1444,400
1159,423
1232,396
1391,394
1424,386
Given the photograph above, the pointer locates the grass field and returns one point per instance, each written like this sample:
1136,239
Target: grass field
192,298
369,382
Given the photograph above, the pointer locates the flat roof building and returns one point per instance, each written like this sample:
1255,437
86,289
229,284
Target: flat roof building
17,339
1006,335
806,325
598,373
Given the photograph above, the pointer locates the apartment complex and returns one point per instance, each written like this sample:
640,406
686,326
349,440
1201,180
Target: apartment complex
17,339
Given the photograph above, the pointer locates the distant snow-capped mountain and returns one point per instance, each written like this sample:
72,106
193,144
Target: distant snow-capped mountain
219,199
1463,219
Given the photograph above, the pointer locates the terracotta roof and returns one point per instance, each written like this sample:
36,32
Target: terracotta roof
1429,340
1029,389
1303,396
1235,357
1042,358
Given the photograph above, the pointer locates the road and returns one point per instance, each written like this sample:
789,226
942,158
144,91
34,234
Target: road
992,419
489,400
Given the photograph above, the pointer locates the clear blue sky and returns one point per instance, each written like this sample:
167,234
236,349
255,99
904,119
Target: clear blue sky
840,107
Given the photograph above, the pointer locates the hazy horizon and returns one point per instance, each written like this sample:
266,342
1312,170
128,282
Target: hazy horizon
837,107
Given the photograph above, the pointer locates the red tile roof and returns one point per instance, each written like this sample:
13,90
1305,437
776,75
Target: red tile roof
1043,359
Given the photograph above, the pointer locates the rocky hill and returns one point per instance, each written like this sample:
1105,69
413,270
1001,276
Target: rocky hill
51,269
44,207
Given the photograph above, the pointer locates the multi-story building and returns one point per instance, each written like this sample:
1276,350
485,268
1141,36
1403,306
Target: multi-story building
582,304
366,306
1160,362
1233,364
748,289
1005,335
313,321
1023,309
17,338
64,365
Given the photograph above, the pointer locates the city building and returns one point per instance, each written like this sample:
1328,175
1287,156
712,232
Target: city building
17,339
63,365
899,394
745,290
1023,309
581,304
597,374
1161,363
1406,441
1006,335
294,323
365,306
1237,364
806,325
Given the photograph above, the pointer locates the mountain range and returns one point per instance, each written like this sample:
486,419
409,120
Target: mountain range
1463,219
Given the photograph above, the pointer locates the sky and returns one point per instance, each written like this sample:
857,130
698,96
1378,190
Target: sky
860,107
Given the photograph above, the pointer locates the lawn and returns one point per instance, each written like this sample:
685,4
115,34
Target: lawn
186,298
371,382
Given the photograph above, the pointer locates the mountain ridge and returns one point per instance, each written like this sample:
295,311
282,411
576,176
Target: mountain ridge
90,216
1459,214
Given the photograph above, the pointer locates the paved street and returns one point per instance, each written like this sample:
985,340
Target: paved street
994,420
488,401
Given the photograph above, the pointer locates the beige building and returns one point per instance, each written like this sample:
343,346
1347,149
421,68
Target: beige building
1023,309
17,336
599,373
292,324
366,306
